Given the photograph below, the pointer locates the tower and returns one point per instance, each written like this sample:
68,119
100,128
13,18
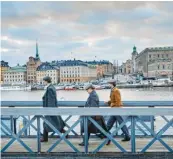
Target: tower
134,55
37,54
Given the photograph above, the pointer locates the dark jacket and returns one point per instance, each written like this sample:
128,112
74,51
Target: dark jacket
50,100
93,101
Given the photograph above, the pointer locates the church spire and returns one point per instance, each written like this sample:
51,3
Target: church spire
37,54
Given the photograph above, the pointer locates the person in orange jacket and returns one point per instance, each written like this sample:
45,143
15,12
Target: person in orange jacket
115,101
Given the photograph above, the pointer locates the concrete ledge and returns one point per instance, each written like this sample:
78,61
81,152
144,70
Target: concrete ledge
101,155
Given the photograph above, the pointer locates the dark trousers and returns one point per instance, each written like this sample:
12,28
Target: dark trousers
111,122
84,137
45,135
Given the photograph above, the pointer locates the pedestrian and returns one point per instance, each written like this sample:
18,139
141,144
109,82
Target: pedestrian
50,100
115,101
92,101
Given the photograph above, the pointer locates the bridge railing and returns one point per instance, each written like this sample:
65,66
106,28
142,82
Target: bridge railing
132,114
68,104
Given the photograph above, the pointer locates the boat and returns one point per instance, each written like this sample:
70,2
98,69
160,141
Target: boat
70,87
162,82
15,88
97,87
60,87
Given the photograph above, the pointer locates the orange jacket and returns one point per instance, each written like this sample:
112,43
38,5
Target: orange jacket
115,98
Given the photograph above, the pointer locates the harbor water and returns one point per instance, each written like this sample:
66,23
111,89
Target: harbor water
143,94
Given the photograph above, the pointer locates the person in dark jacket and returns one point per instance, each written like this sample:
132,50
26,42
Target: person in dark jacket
50,100
115,101
92,101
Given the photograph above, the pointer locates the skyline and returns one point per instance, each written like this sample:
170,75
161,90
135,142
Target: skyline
106,30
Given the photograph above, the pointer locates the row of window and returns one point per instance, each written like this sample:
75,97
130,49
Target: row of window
47,75
14,73
72,68
160,67
71,80
70,75
160,55
13,80
14,76
46,71
70,72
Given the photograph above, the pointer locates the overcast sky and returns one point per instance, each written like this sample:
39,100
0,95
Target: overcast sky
107,30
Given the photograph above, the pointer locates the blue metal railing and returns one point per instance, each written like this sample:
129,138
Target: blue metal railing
82,103
149,119
131,113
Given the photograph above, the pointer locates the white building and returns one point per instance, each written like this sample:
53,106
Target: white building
76,71
15,75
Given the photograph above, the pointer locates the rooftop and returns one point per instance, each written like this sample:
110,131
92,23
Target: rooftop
46,66
4,64
17,68
153,49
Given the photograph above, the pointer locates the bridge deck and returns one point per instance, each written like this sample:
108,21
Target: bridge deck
93,143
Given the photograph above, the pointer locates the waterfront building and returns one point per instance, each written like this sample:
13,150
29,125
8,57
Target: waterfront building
46,69
15,75
4,67
76,71
155,62
32,65
126,67
102,67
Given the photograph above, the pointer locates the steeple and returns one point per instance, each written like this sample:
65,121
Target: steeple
37,54
134,49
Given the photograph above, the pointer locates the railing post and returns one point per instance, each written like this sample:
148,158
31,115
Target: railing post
133,142
24,123
12,122
86,133
152,121
38,135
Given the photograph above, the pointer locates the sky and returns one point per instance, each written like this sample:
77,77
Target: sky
83,30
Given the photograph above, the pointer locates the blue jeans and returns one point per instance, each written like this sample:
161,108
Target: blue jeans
111,122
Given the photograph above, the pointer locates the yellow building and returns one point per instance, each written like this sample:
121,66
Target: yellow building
4,68
45,69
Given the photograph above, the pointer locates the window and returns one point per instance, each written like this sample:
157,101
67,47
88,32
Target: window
163,66
158,67
167,55
158,55
149,56
162,56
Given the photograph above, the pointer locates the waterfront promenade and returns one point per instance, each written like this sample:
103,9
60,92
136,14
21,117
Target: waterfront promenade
154,142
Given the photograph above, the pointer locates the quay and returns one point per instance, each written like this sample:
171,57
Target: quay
151,144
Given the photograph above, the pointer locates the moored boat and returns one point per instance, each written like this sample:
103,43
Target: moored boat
15,88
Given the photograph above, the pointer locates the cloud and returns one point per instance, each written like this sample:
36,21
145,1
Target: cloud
107,30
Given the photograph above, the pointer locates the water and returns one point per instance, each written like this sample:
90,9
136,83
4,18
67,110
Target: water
147,94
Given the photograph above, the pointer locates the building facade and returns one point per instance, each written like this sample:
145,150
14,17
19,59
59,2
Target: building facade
46,69
15,75
76,71
129,67
102,67
32,65
4,67
155,62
